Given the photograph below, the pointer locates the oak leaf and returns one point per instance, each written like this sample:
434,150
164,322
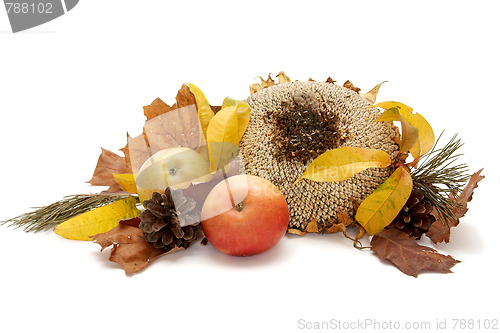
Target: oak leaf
440,231
408,256
108,164
129,249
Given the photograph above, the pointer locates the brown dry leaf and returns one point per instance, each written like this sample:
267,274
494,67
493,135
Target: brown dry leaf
216,108
343,221
130,250
254,88
158,107
184,98
312,226
371,96
125,150
355,204
294,231
361,232
267,83
351,86
108,164
439,231
330,80
282,78
408,256
311,80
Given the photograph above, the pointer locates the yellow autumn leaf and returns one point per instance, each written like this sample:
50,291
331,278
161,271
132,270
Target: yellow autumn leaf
98,220
409,136
381,207
126,181
242,112
391,114
223,137
343,163
426,137
205,113
228,101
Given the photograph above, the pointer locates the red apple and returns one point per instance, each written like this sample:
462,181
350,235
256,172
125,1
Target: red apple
244,215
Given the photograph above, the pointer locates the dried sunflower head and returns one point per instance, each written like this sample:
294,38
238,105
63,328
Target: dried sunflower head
293,123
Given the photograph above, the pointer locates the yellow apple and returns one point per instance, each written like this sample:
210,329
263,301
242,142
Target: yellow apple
172,167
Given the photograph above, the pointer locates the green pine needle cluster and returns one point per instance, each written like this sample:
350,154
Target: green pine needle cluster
440,176
44,218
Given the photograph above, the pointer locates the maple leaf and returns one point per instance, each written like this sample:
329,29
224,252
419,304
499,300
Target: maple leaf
130,250
184,98
156,108
166,131
108,164
439,230
408,256
126,152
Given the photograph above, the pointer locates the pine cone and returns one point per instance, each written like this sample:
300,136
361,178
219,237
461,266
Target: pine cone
415,217
170,220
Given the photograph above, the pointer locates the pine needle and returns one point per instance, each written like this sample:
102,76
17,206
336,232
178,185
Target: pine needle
441,178
44,218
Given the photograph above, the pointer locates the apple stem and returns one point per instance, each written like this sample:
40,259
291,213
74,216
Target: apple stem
239,207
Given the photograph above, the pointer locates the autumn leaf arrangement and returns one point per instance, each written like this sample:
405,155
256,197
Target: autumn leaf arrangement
423,196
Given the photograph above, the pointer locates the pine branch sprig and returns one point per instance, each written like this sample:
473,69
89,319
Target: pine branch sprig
441,178
46,217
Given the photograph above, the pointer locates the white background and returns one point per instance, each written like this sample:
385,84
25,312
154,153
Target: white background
79,82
